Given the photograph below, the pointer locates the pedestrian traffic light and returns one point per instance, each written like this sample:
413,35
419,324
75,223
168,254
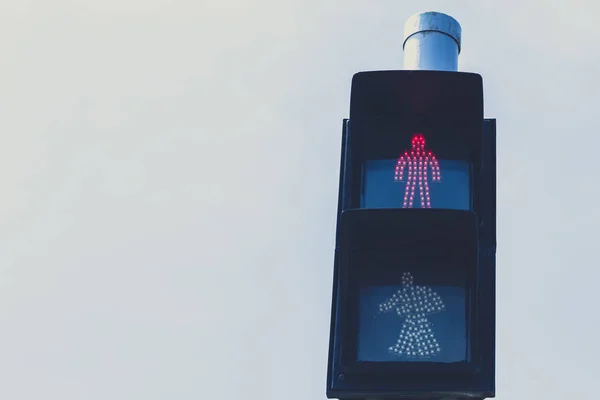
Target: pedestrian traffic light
413,311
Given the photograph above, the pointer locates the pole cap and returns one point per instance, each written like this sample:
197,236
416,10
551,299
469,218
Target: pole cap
432,21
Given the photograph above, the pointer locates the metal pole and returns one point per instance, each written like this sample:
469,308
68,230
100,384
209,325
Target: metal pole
431,42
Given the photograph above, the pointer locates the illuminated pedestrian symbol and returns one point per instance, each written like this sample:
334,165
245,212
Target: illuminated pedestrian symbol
417,161
414,303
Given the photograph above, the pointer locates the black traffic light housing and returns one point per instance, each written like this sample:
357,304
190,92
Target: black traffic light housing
413,311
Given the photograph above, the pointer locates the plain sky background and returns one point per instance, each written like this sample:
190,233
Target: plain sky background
169,172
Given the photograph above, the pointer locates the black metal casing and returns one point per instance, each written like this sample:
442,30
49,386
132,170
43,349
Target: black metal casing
372,244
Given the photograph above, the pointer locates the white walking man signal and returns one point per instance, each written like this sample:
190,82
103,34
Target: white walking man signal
414,303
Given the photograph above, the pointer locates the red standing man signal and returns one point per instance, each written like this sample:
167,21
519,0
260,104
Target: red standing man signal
417,161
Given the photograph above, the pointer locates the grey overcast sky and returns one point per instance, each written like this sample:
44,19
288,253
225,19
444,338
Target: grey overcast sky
169,171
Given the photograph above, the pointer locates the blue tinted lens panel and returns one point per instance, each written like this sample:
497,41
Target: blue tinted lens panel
415,319
389,184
